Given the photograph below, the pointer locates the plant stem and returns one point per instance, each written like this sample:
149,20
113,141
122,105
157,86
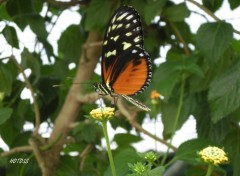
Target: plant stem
209,171
104,125
176,119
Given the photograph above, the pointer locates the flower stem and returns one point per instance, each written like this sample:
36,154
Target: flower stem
209,171
104,125
179,109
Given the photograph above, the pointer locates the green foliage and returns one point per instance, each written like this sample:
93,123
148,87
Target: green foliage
176,13
217,36
72,36
5,114
205,65
97,9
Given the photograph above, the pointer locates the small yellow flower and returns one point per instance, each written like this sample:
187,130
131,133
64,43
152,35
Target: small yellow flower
102,114
213,155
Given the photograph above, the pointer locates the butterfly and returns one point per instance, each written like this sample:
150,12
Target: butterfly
126,66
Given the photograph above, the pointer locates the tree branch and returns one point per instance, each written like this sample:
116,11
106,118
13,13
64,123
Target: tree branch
26,148
71,106
29,86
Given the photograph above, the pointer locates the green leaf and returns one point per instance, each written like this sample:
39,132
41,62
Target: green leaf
121,160
232,148
5,114
19,10
3,13
70,43
234,4
187,151
98,14
176,12
8,133
213,39
69,165
168,74
153,9
205,127
157,171
213,5
169,111
224,93
123,139
37,24
10,35
87,132
165,78
5,79
32,61
236,46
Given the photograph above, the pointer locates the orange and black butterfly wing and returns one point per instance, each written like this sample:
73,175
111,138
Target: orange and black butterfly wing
126,67
124,31
131,72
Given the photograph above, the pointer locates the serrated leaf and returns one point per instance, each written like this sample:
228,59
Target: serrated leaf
98,14
152,9
213,39
224,93
187,151
126,139
72,36
5,114
176,12
10,35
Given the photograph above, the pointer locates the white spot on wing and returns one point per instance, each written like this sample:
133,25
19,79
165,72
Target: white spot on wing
109,53
126,45
120,25
114,26
115,38
127,26
122,16
128,34
141,55
134,51
136,39
129,17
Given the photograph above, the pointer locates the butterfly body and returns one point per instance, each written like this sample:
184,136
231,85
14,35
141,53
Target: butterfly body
126,66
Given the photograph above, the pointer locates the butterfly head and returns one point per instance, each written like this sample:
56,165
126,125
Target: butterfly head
96,86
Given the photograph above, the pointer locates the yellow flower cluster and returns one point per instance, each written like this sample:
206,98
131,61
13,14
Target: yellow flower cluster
102,114
213,155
